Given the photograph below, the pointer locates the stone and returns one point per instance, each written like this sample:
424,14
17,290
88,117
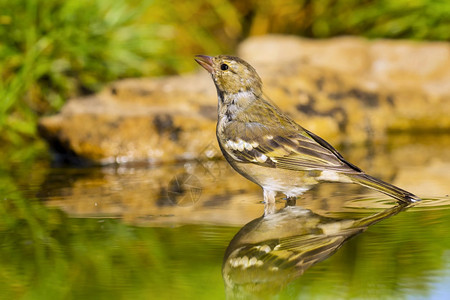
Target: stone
211,192
347,90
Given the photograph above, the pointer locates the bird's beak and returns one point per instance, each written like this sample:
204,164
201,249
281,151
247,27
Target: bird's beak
206,62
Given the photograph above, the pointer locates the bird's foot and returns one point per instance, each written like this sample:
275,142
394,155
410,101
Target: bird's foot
269,200
269,208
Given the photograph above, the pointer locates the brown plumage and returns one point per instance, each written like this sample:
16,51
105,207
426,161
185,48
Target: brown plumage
267,147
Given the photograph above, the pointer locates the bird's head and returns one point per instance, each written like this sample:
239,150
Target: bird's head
231,74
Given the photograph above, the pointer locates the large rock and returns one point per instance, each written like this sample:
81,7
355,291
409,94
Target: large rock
347,90
210,192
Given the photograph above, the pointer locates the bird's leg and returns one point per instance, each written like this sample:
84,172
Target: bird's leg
291,201
269,202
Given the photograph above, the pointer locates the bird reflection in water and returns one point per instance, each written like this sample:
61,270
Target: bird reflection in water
269,252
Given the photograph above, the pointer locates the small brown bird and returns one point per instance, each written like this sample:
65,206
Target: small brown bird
267,147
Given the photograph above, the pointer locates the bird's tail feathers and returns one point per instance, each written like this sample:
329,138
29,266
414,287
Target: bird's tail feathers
384,187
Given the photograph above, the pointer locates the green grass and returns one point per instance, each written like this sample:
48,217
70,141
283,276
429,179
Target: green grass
56,49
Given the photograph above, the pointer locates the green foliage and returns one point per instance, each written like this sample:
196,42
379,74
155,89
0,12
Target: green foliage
55,49
409,19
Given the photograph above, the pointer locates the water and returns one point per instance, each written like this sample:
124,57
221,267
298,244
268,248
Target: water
190,231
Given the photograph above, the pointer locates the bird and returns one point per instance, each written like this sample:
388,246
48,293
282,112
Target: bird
268,147
269,252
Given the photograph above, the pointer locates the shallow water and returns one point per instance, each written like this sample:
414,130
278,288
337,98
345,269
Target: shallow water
191,230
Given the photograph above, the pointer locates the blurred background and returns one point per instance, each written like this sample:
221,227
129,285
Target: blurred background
54,50
57,49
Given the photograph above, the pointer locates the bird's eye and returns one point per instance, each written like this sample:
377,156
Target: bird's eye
224,67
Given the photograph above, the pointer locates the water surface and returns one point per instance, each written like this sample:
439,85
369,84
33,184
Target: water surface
140,231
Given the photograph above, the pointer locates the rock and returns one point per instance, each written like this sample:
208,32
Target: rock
136,120
347,90
210,192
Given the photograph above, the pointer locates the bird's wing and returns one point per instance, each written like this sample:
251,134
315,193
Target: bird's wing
290,149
